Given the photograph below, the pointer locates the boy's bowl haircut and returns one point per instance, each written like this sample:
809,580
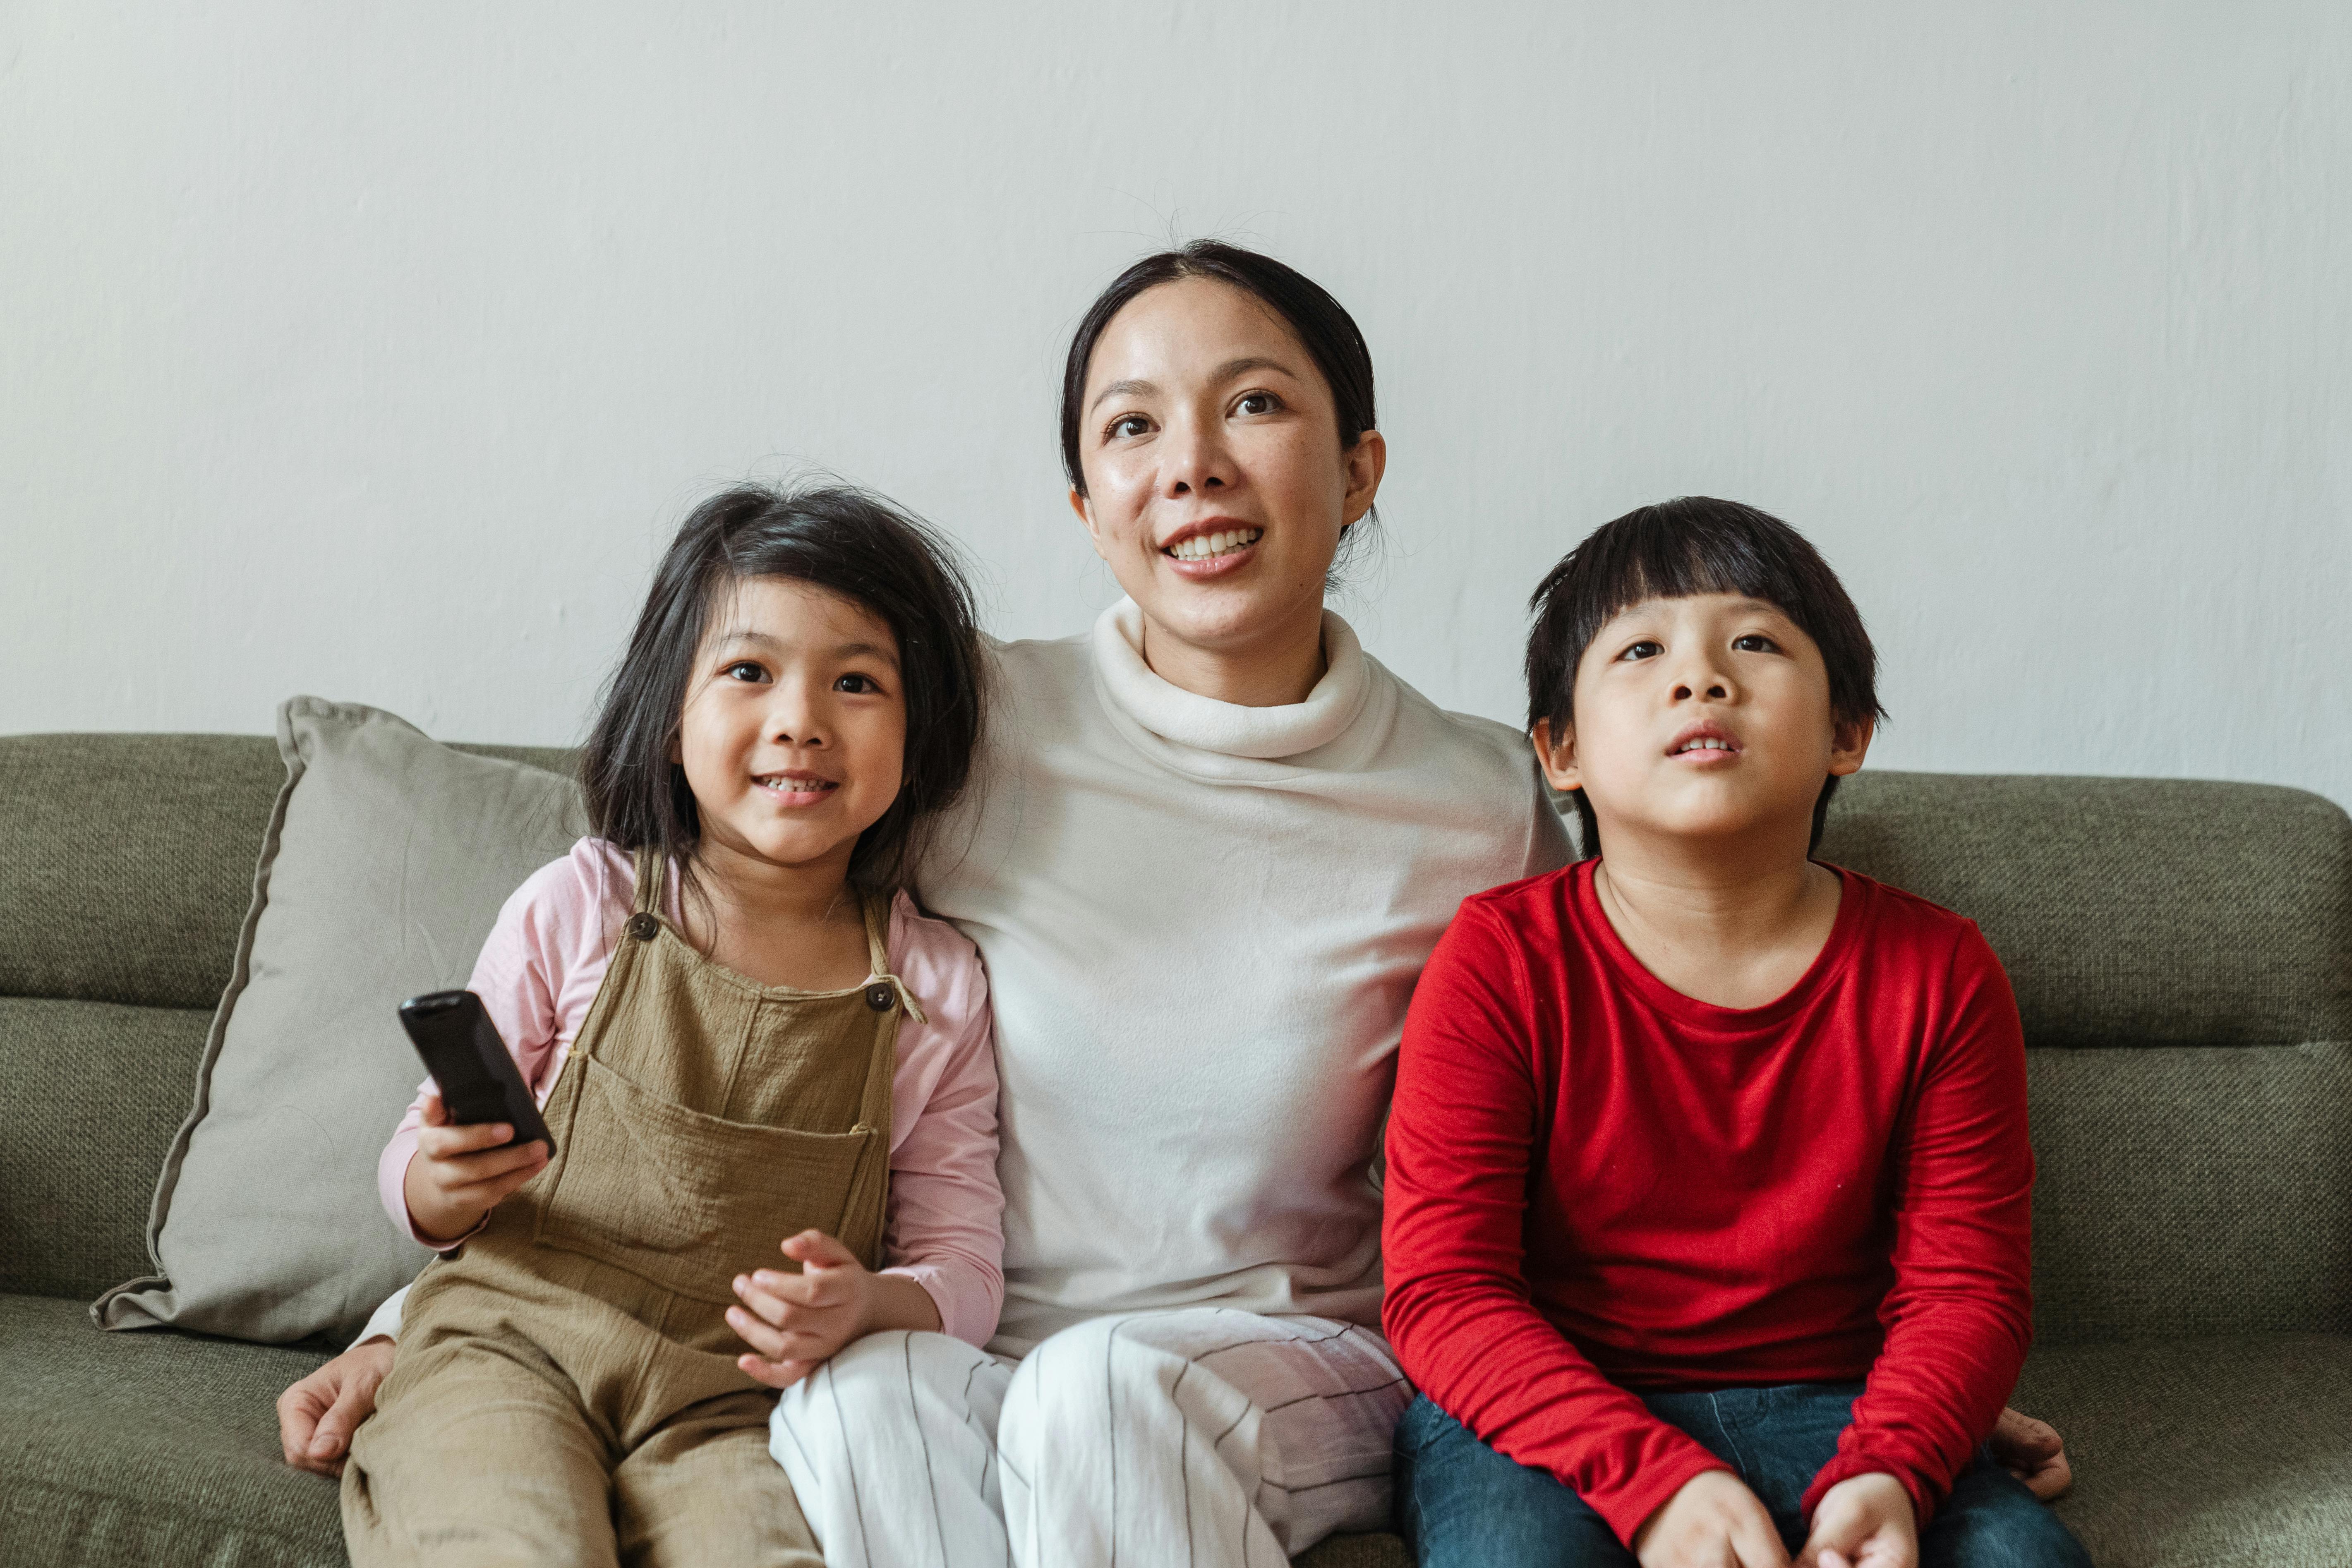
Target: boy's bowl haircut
1677,549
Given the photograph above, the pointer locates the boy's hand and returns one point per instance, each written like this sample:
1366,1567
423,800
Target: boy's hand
1863,1522
317,1416
1713,1521
2034,1452
458,1174
796,1320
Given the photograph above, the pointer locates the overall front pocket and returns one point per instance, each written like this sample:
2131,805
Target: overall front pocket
684,1200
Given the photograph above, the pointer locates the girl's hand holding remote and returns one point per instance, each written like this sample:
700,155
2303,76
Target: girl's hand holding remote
459,1174
795,1322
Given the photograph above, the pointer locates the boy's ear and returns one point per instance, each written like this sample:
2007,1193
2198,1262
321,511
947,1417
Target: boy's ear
1556,754
1849,743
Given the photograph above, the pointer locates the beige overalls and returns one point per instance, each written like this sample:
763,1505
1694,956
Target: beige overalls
565,1389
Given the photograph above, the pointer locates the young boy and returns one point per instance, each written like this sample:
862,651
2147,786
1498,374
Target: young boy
1708,1187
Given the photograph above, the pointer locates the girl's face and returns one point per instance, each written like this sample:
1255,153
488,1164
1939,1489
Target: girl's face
1216,486
795,732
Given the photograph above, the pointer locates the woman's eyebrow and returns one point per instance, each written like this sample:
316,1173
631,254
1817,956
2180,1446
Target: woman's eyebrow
1123,389
1234,367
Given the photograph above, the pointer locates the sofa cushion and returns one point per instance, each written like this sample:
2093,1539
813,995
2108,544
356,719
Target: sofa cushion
128,862
158,1450
2129,911
385,862
2186,1192
1375,1550
2209,1453
91,1094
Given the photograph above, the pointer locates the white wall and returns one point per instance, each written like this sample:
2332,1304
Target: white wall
372,349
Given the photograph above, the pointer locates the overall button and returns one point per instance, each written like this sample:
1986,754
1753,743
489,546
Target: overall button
642,926
879,996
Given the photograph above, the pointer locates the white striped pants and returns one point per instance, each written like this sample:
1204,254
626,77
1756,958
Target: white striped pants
1206,1436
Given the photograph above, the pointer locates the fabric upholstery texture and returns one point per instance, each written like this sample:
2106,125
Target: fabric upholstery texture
91,1094
128,862
2129,911
2210,1453
1379,1550
152,1449
2185,1191
385,862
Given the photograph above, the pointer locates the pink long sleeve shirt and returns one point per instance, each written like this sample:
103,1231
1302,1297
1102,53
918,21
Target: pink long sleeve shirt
944,1227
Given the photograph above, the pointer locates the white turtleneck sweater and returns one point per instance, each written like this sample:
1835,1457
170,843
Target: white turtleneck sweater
1203,923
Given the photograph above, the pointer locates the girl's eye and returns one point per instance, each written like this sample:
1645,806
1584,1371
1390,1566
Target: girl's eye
1643,649
1125,426
744,670
1257,402
858,684
1755,642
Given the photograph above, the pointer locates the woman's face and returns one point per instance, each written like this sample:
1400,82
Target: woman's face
1216,486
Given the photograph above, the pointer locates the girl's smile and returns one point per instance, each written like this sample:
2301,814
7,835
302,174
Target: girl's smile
793,735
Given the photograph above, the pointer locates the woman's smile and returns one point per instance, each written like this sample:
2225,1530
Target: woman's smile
1210,548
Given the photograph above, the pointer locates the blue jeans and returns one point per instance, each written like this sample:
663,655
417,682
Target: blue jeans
1462,1505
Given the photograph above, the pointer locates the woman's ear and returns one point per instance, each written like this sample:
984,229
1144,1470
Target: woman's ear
1849,743
1365,461
1556,754
1079,504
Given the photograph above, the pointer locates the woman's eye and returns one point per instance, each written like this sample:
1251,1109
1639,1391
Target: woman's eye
1257,402
1644,650
1125,426
1755,642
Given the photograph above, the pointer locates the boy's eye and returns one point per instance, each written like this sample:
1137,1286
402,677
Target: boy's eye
1643,649
1125,426
1257,402
1755,642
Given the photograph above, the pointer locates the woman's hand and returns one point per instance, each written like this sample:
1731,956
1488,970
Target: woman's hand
317,1416
2034,1452
1863,1522
795,1321
1712,1521
458,1174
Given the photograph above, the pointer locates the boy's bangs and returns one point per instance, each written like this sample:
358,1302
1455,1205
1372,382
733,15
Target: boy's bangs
1669,563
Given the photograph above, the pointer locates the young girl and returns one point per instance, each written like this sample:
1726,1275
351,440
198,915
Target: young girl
740,1037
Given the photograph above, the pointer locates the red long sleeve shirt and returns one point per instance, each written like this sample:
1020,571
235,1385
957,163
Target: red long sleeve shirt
1598,1184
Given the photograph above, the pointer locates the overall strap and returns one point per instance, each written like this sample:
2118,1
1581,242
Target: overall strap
878,958
650,866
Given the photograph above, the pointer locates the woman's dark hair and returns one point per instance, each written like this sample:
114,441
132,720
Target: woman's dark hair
1323,325
1676,550
834,537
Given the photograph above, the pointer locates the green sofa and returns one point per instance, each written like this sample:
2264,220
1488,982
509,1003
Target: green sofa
2182,953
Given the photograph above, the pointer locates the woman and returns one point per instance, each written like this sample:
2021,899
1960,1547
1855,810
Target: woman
1211,845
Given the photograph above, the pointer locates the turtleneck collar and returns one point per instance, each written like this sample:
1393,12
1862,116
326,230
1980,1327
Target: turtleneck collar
1198,723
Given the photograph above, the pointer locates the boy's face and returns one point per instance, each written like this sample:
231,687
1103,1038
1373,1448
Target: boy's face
1701,718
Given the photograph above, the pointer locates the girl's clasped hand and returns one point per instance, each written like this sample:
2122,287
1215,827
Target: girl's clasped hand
793,1321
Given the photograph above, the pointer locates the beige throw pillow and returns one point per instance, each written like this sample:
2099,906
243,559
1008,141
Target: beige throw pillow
385,864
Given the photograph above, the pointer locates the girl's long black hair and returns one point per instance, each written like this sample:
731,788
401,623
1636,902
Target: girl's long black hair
832,536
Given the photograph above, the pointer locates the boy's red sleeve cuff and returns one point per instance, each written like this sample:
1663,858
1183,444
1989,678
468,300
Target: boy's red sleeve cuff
1845,1467
1630,1506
